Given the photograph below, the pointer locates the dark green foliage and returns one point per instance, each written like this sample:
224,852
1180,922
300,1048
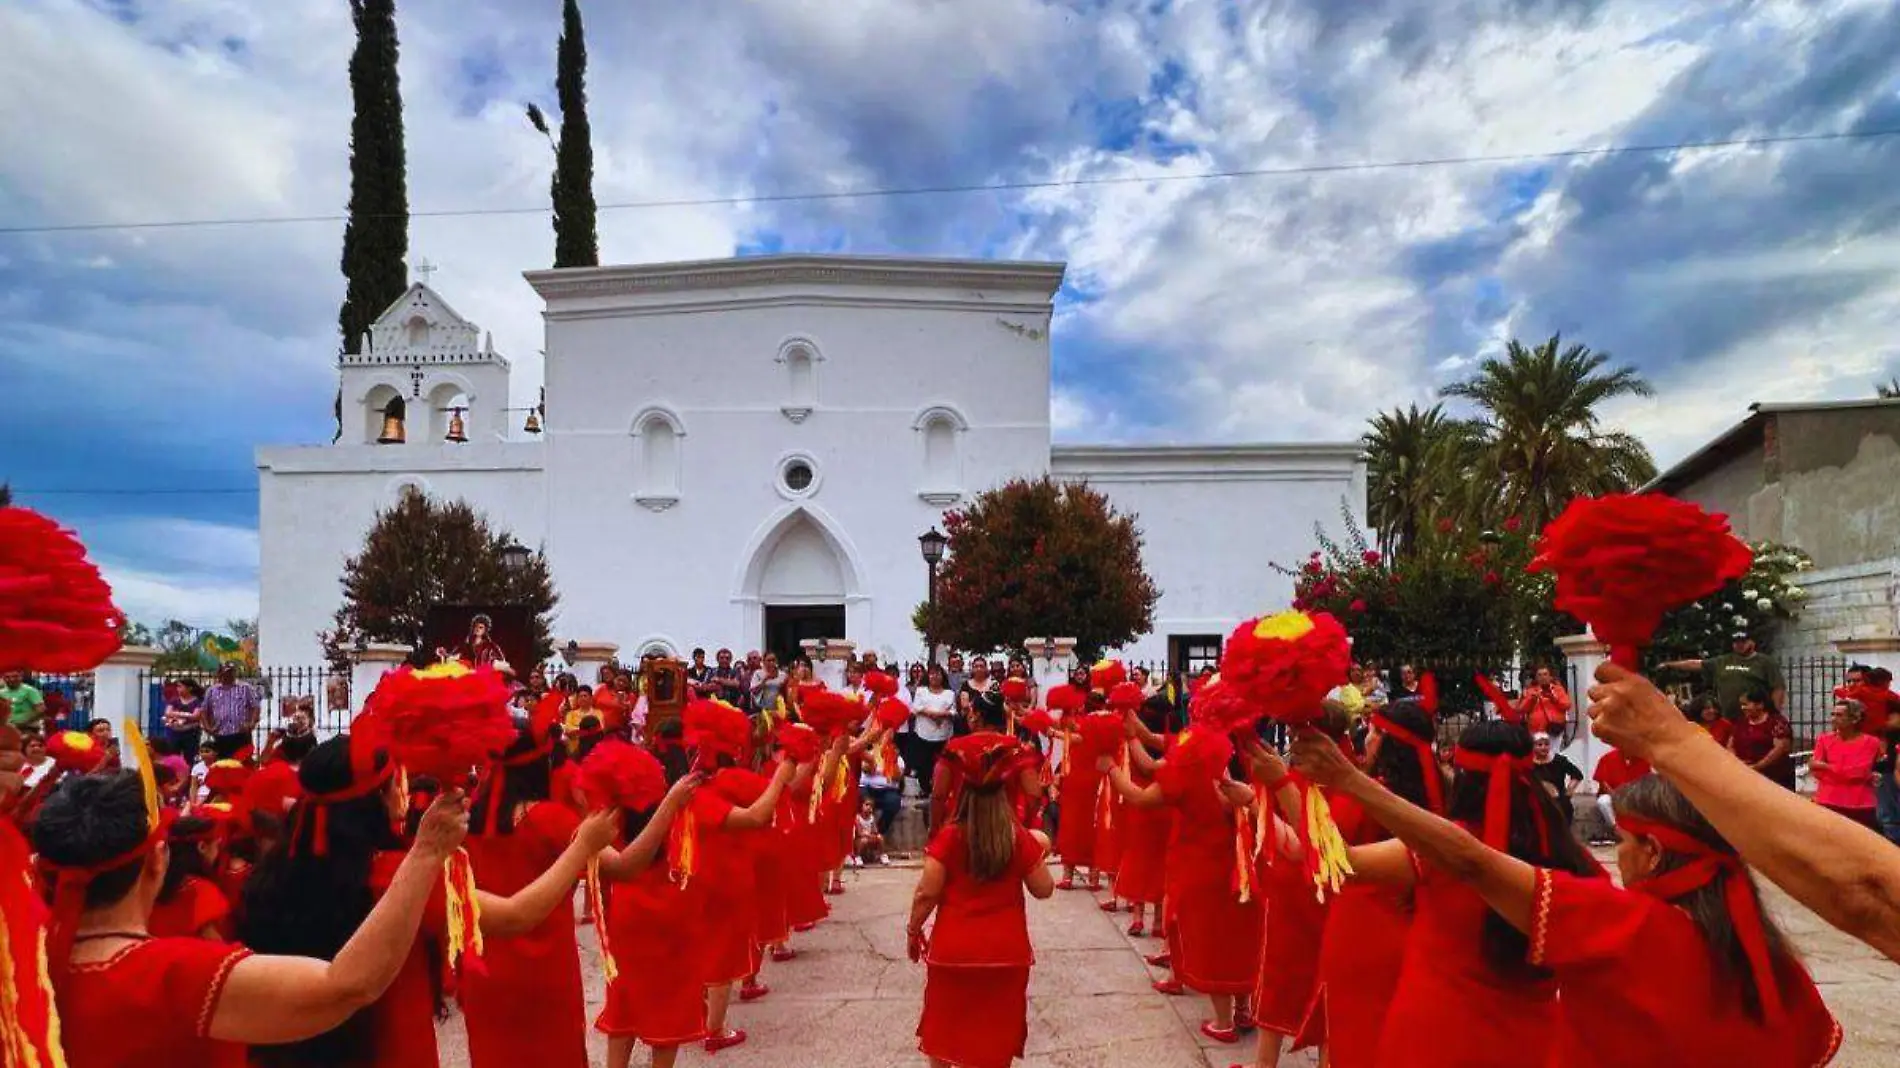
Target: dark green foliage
419,554
1040,559
376,237
576,243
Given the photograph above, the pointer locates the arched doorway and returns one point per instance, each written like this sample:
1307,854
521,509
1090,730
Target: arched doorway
800,579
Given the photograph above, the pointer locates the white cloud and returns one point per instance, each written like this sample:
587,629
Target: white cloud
152,598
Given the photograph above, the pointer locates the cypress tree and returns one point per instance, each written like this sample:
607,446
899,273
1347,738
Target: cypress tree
576,244
376,237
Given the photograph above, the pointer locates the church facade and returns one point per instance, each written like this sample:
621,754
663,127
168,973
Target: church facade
744,453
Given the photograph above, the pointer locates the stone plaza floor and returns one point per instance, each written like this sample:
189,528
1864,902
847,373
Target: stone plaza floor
852,999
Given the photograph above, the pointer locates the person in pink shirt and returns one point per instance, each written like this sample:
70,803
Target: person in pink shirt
1843,765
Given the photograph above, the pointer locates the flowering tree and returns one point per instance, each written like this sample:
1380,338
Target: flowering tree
1754,603
1040,558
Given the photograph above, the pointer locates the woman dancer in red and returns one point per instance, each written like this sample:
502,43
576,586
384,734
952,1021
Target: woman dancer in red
1296,918
1079,785
1141,877
1214,926
526,1002
189,903
1362,948
128,997
310,895
976,992
1467,981
650,921
1682,965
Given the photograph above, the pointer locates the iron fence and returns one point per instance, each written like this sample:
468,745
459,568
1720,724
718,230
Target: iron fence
320,694
68,698
1809,707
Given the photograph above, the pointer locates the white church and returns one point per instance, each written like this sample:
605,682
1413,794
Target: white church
744,453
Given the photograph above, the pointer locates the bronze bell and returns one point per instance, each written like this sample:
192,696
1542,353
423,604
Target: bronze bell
392,431
458,431
533,425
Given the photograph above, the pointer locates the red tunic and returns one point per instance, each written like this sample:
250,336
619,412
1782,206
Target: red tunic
198,904
1110,811
724,947
524,1005
402,1022
564,786
272,789
151,1003
806,858
1361,951
1215,936
1642,963
650,930
1075,834
1289,954
1141,876
976,990
1474,1016
771,851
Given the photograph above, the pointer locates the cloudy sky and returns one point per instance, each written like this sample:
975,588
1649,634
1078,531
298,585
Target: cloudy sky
141,366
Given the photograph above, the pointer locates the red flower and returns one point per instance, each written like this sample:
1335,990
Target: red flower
800,743
714,727
1066,699
1444,526
1194,754
1036,721
1222,709
1287,663
1102,733
1107,674
56,613
1370,558
446,720
1475,558
1358,604
1513,524
1126,697
1491,578
1623,560
892,713
828,712
75,751
619,775
880,684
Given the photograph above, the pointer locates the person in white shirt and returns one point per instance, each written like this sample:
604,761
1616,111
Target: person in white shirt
37,765
936,708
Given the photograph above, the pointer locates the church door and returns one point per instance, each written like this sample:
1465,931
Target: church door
788,624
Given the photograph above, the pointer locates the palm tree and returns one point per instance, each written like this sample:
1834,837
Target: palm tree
1417,470
1539,428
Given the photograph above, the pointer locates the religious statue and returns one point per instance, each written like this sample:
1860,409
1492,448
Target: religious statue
479,648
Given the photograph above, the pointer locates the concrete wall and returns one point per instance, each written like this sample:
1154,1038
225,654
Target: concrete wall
1729,484
1856,601
1839,493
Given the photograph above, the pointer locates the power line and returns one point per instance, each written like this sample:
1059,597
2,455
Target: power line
22,491
1000,187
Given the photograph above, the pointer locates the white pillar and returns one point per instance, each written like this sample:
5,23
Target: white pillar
118,694
828,667
1882,652
588,658
1585,653
1052,663
369,666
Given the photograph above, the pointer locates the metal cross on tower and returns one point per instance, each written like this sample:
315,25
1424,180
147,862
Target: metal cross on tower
424,268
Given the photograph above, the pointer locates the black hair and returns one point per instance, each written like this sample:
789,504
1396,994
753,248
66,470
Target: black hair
163,747
699,650
300,904
296,746
1398,766
1505,947
89,819
184,859
1756,693
988,711
1653,798
1159,715
521,783
91,723
590,737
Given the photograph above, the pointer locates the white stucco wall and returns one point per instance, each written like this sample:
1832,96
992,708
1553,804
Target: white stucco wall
1213,518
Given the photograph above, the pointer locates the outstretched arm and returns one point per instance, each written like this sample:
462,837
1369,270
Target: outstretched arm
759,813
1148,796
924,901
1847,874
633,861
268,1000
1507,884
522,912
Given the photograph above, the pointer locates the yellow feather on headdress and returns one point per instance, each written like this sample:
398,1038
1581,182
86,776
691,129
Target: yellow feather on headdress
148,777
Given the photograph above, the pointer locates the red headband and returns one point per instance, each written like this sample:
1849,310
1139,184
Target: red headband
1503,768
1427,759
1705,864
69,884
313,809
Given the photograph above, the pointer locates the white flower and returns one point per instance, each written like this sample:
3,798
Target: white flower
1765,605
1741,621
1727,607
1748,595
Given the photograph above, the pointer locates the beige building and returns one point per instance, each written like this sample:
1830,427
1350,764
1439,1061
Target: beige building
1823,477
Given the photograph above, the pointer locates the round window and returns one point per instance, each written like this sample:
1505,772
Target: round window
798,476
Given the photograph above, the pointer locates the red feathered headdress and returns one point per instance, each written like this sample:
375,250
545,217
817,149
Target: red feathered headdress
1067,699
800,743
715,728
880,684
75,751
1622,560
56,613
1193,755
227,778
1016,690
892,714
1107,674
1287,663
1218,706
985,760
1126,697
1102,734
445,720
619,775
828,712
1037,721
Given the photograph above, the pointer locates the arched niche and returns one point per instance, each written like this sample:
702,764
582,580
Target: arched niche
658,455
444,398
375,408
940,431
800,358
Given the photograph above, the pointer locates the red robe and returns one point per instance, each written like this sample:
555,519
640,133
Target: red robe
1475,1017
650,930
525,1005
1362,949
725,949
198,904
1141,875
272,789
151,1003
1289,955
1214,936
807,858
402,1021
771,860
976,989
1642,963
1075,834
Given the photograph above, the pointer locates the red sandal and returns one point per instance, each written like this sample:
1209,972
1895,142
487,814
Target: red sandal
1111,905
1227,1036
753,991
1170,987
725,1041
1161,960
1067,883
781,954
1136,930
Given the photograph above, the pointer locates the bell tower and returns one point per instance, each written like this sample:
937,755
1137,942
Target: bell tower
425,376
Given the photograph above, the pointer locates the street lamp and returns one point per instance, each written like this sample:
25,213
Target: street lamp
932,543
515,557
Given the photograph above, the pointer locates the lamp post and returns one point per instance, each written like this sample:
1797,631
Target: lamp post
515,557
932,543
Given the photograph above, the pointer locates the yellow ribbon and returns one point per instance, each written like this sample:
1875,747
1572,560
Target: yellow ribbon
597,903
1332,865
683,848
1243,857
464,908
